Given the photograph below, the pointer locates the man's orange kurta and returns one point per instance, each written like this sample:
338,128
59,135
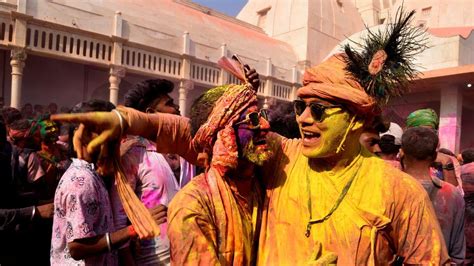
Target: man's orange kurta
385,213
215,225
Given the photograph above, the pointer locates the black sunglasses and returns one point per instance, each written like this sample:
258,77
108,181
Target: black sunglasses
317,110
253,119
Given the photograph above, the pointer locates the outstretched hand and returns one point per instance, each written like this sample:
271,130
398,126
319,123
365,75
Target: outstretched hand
105,125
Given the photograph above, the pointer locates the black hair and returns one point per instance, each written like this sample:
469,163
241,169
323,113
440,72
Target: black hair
21,124
387,145
28,126
468,156
94,105
447,152
377,124
420,143
283,120
10,114
146,92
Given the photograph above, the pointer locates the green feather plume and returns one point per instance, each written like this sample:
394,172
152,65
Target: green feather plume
401,42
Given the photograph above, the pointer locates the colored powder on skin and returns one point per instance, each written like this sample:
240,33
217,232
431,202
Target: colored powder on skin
257,154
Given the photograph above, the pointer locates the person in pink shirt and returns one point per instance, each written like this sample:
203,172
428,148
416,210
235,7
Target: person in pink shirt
148,172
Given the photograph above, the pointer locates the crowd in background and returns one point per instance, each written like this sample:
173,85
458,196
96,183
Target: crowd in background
35,154
334,183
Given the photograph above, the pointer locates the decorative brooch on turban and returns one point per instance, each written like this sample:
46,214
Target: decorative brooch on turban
384,66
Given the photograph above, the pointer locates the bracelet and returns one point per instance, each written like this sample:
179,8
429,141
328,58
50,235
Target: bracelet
120,121
131,232
33,213
109,243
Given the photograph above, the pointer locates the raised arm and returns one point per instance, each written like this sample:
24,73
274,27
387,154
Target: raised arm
171,133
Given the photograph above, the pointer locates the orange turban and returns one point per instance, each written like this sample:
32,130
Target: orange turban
330,81
216,138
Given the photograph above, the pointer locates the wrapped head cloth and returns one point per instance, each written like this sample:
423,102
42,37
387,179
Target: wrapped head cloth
216,137
423,117
330,81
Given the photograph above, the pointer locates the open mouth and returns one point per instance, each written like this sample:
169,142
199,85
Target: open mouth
260,142
310,137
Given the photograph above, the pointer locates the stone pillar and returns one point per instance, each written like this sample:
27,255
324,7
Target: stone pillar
185,82
369,10
294,81
223,76
17,62
450,119
116,75
184,87
267,90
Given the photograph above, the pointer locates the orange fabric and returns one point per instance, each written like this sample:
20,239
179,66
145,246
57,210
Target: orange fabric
385,213
141,219
214,227
217,136
172,133
331,82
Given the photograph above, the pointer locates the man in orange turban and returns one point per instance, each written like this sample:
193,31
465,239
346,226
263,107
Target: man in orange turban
328,200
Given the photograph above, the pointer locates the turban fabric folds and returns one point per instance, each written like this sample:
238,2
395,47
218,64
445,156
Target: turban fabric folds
216,137
330,81
423,117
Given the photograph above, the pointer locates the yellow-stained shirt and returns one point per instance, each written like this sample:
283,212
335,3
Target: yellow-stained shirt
385,214
211,224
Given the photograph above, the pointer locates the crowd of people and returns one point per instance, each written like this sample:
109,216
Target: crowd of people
328,181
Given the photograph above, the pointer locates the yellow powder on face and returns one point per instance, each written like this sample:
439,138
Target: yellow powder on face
257,154
334,126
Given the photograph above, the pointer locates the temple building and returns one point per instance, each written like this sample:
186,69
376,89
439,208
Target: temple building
66,51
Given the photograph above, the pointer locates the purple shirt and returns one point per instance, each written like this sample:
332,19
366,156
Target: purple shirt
81,210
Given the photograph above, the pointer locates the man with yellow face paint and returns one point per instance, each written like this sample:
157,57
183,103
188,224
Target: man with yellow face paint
328,200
